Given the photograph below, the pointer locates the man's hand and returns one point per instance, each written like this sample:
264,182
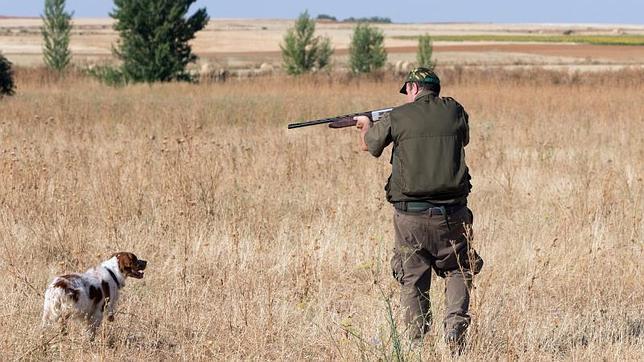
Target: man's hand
362,123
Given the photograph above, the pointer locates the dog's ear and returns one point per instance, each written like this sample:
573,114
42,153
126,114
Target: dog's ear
124,260
125,254
118,261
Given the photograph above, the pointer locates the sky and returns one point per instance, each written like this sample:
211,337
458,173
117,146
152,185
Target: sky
404,11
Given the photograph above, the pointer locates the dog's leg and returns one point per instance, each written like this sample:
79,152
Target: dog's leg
93,322
62,323
50,309
109,301
46,318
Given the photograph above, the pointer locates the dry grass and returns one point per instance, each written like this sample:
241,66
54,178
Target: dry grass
265,243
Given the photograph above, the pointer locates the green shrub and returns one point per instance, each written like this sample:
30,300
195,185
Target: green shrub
55,32
367,51
425,52
7,86
302,51
109,75
154,38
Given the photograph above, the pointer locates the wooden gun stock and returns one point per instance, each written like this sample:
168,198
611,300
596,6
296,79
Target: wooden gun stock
347,121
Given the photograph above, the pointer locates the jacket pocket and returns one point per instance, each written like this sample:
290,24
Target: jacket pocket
396,179
475,262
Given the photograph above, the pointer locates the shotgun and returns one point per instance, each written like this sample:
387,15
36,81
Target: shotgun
343,121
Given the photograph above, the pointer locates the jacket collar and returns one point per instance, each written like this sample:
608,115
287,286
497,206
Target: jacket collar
424,93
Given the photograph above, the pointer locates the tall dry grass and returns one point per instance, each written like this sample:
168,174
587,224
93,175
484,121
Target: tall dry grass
265,243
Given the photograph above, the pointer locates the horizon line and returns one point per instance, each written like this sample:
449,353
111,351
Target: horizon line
7,17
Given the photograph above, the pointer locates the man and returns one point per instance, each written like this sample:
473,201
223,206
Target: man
428,188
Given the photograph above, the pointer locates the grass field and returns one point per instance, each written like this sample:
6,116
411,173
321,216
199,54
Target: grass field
264,243
579,39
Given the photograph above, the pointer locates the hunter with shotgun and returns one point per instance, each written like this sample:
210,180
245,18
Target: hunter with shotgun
428,189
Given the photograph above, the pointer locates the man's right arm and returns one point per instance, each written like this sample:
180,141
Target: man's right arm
378,136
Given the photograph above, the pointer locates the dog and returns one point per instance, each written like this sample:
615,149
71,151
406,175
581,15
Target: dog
88,295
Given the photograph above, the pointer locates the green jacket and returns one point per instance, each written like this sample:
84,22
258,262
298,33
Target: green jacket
428,157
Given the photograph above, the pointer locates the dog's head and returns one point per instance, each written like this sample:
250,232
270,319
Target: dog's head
130,265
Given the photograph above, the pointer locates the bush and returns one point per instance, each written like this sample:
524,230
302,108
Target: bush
7,86
425,51
303,52
154,36
367,51
55,32
109,75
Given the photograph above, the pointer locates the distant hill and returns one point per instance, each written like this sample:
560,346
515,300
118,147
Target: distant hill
18,17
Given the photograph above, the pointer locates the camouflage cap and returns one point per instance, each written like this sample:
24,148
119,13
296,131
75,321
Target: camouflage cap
421,75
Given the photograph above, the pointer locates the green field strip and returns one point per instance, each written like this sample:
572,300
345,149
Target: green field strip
635,40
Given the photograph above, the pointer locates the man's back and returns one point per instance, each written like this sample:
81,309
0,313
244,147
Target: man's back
428,160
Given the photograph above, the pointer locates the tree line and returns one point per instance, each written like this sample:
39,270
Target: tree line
373,19
154,35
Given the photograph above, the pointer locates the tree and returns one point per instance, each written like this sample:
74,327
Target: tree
367,51
55,31
302,51
154,36
425,51
327,17
373,19
7,86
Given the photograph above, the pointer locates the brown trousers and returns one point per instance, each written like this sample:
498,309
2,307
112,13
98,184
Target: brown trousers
431,239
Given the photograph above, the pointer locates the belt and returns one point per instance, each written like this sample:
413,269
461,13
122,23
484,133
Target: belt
422,206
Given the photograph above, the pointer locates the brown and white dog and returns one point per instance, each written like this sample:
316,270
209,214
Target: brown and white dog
86,296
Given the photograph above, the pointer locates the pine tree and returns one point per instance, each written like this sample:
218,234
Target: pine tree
7,86
367,51
301,50
55,31
154,36
425,51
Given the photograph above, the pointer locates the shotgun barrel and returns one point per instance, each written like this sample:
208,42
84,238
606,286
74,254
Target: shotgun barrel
344,120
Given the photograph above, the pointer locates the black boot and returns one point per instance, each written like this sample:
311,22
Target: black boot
455,340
